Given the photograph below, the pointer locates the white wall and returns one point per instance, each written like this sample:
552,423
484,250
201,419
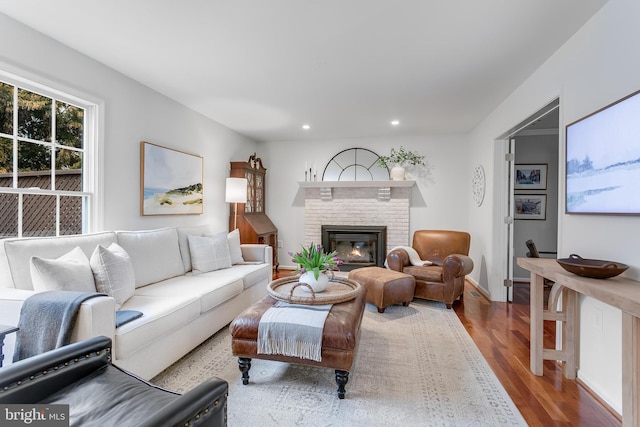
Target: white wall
439,200
132,113
594,68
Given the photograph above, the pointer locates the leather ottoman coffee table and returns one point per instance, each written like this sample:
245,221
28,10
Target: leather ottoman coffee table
340,338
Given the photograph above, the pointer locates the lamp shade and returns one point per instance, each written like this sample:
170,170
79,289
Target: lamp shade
236,190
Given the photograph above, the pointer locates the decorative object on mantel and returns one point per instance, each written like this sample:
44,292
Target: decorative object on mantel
478,185
593,268
312,262
251,218
400,159
354,164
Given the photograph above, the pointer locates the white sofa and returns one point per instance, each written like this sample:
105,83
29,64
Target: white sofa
180,309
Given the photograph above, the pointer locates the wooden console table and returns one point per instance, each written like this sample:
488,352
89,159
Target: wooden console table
618,292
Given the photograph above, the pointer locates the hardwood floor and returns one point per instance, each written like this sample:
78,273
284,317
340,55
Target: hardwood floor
501,332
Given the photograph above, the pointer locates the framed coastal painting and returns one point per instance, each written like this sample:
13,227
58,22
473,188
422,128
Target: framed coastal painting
170,181
530,206
531,177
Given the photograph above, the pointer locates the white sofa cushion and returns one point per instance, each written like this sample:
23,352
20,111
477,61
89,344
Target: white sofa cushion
235,251
209,253
70,272
155,254
113,272
160,317
253,274
212,289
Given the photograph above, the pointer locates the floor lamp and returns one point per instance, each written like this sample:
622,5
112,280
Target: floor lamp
236,192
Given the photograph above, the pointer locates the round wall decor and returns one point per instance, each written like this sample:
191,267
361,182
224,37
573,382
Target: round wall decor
478,185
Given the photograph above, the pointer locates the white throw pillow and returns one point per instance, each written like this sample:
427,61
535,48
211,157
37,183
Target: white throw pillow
155,254
235,252
209,253
113,272
70,272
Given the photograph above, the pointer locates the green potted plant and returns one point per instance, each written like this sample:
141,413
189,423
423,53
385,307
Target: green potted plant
398,160
312,262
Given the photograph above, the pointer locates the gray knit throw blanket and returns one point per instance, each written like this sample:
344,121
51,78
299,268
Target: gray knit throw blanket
293,330
47,320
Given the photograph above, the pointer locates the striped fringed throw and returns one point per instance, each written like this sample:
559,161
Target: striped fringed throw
293,330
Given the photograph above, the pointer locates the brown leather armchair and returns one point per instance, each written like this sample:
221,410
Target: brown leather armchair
448,251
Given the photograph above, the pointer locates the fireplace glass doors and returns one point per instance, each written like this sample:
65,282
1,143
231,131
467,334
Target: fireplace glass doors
357,246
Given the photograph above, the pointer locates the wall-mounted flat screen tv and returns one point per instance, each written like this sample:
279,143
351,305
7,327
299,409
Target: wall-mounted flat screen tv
603,160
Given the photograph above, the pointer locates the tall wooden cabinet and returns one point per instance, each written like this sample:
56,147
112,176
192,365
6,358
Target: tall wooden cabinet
252,221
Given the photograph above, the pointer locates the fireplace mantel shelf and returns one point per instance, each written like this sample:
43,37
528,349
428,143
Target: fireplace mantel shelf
383,187
356,184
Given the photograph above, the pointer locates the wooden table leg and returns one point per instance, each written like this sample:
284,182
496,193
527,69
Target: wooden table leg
630,370
570,334
536,338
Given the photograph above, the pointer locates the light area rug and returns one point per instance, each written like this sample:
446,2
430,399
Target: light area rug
415,366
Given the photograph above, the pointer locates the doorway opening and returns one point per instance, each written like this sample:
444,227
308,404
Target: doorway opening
532,145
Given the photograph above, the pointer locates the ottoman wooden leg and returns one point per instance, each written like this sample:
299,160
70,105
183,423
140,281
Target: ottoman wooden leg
381,309
342,377
244,363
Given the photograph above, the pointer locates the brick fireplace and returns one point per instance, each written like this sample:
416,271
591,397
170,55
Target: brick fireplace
358,203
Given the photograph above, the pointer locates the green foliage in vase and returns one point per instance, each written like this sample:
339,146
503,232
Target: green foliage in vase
401,157
315,259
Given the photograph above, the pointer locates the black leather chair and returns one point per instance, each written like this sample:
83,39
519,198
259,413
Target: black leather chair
99,393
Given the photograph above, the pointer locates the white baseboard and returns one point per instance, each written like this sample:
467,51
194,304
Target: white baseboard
478,288
611,404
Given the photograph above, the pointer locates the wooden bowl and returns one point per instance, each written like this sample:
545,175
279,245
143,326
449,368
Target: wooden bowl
593,268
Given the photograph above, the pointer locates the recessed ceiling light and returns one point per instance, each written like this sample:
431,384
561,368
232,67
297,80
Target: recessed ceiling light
306,127
395,122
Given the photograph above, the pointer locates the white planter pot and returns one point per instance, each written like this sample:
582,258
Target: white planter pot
397,173
317,285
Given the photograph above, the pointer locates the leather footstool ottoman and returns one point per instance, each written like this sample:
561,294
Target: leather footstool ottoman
385,287
340,338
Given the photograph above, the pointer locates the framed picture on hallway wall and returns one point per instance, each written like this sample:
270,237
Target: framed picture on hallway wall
531,177
170,181
530,206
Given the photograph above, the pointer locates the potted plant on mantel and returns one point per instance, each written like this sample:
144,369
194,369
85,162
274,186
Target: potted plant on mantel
399,159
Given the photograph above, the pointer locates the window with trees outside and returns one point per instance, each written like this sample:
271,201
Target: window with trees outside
45,188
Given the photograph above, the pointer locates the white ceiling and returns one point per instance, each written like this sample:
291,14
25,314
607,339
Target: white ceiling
345,67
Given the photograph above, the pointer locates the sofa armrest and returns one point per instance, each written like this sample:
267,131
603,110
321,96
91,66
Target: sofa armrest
11,301
96,317
456,265
51,371
397,259
205,405
253,252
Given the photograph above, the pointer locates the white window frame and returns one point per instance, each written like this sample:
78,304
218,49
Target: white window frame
92,174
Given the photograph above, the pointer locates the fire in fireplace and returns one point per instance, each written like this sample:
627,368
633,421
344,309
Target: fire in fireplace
357,246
